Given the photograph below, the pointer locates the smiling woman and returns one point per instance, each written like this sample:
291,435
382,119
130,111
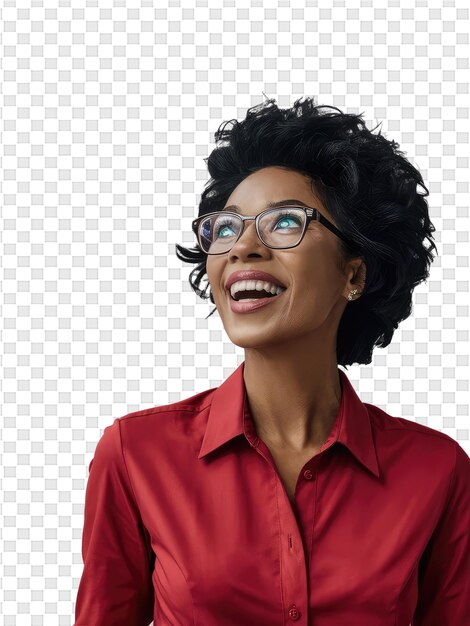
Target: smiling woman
279,496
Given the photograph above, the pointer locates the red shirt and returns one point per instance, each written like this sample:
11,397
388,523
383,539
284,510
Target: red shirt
187,522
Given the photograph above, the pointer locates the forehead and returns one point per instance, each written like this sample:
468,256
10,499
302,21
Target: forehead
272,187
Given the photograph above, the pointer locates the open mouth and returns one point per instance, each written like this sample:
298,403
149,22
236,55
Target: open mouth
253,294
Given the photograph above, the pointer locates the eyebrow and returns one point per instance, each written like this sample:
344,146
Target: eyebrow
270,205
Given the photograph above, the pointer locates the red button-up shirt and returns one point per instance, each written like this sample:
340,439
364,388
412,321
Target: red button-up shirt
187,522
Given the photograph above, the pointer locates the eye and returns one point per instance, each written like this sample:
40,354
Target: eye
288,215
221,225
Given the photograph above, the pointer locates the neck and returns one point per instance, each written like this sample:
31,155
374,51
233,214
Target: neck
294,397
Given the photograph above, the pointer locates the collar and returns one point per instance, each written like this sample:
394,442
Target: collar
229,417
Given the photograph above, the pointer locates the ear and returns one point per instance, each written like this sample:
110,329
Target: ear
357,278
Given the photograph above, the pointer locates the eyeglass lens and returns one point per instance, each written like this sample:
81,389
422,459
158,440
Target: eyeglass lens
279,228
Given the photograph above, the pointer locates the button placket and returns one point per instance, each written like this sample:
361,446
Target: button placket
294,566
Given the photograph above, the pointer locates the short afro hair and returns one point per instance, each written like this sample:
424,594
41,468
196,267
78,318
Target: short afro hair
367,185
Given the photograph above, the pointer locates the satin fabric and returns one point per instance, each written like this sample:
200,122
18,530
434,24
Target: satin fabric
187,522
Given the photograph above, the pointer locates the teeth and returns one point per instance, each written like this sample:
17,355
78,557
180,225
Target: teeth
259,285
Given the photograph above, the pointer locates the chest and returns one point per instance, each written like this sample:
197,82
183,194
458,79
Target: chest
229,551
289,465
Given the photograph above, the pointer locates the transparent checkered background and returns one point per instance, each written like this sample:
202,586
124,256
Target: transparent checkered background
107,112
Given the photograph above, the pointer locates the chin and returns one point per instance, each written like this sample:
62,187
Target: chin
248,337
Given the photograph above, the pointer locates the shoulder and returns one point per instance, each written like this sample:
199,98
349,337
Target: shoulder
191,405
415,444
382,421
166,424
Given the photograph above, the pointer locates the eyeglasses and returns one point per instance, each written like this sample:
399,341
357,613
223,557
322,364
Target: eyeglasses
218,232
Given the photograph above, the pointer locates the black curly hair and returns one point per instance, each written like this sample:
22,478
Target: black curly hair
367,185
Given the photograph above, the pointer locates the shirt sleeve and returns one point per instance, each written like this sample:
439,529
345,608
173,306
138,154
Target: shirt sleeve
444,568
116,585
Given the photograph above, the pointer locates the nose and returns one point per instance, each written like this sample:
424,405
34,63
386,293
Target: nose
249,225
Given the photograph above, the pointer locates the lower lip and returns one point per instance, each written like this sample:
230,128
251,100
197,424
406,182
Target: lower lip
246,307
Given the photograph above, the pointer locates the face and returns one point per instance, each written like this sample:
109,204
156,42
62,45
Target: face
317,285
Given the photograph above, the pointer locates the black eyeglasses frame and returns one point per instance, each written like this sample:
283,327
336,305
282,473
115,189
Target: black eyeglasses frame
311,212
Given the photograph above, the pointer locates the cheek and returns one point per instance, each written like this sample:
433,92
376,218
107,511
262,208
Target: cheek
210,269
313,292
214,271
318,274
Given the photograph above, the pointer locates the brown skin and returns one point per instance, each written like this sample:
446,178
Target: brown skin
290,373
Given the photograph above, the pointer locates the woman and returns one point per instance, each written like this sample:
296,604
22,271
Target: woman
279,497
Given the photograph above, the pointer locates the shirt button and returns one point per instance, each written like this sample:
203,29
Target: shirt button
308,475
294,613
